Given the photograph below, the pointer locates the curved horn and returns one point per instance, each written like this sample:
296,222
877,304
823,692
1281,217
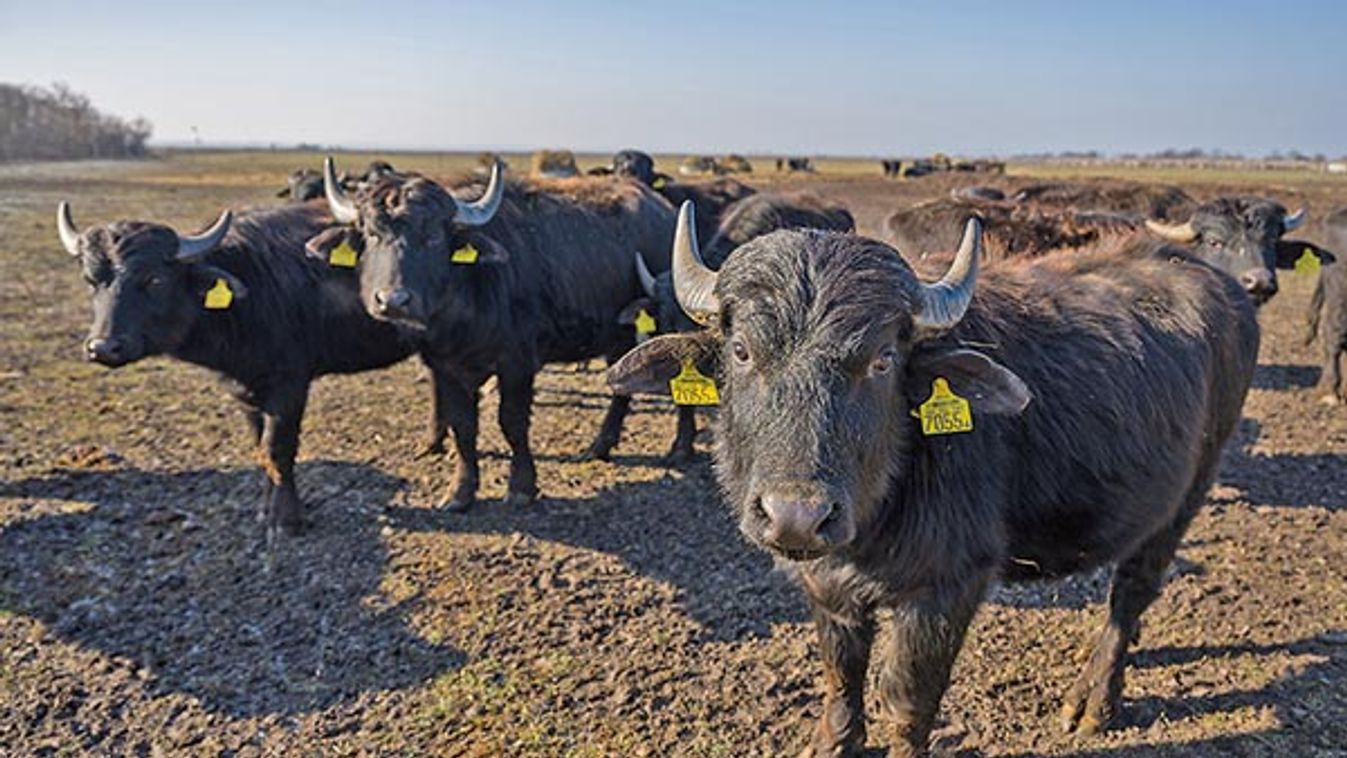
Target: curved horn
647,278
343,210
694,283
944,303
65,226
1174,232
480,211
1294,220
191,248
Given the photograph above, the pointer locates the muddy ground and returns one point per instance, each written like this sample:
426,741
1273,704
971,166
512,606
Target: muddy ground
142,613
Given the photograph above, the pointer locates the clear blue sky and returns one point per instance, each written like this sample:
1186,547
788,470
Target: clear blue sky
834,78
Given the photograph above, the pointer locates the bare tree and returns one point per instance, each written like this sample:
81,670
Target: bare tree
58,123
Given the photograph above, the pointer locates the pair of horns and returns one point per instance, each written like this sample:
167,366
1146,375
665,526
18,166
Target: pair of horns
476,213
189,247
940,305
1186,233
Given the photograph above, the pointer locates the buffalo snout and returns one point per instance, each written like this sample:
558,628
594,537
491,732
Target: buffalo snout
396,303
108,351
803,521
1261,284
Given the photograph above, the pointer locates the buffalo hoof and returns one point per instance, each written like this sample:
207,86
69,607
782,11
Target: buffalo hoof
599,451
1087,711
431,449
457,504
519,499
677,458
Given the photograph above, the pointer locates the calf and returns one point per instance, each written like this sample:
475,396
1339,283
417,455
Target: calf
243,300
526,274
900,444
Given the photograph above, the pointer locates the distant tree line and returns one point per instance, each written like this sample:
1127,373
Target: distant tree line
57,123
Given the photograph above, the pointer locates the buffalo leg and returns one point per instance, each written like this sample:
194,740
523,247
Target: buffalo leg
442,397
1332,378
687,432
516,404
282,412
844,645
927,636
456,400
610,431
1094,699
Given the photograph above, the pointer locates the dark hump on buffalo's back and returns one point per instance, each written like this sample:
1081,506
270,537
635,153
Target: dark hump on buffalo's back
932,228
767,212
1157,201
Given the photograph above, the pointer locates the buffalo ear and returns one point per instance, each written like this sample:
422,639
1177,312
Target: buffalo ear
988,386
489,251
648,367
203,277
320,246
1289,251
627,316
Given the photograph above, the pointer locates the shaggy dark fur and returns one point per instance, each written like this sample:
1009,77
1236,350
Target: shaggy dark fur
1134,362
292,319
933,227
1140,201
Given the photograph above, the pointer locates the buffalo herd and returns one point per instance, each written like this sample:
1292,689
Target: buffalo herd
1008,387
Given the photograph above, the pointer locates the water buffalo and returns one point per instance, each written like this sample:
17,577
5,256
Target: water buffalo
1141,201
746,219
1328,307
892,168
900,445
711,198
243,300
306,184
1012,229
1239,235
527,274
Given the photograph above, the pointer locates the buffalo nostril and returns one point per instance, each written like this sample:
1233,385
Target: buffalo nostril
103,349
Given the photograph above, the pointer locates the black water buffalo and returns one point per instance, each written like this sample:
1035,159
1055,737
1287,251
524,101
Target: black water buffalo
747,219
900,445
1140,200
892,168
306,184
1328,307
931,228
528,274
243,300
710,198
1240,236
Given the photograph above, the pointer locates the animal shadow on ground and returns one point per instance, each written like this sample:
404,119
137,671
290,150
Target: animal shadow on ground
1284,376
673,529
1306,701
170,572
1296,480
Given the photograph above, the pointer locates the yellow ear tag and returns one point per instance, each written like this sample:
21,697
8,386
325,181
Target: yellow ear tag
659,182
342,256
692,387
645,323
1307,263
945,412
466,254
219,296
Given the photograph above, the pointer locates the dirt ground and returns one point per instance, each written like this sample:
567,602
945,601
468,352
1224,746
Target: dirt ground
141,612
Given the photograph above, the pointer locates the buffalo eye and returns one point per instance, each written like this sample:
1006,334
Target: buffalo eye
882,363
154,281
740,350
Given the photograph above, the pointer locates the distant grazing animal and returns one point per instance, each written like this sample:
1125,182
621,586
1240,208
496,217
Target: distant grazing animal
736,164
243,300
745,220
1328,306
892,168
527,274
699,165
800,164
900,445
